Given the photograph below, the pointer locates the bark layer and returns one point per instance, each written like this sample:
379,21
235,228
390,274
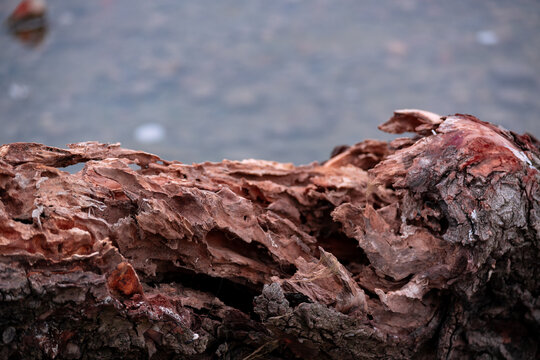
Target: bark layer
420,247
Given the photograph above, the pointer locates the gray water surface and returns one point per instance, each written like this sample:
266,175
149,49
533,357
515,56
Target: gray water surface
278,80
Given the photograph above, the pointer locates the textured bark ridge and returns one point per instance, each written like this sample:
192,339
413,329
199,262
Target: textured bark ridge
423,247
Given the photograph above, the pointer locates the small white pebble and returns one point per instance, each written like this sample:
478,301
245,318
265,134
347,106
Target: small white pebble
18,91
487,37
149,133
195,336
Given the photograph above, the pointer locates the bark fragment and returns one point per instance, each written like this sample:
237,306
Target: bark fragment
424,247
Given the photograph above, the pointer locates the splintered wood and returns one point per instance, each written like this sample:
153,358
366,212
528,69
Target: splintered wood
425,246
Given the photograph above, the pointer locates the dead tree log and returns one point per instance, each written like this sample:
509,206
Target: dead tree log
420,247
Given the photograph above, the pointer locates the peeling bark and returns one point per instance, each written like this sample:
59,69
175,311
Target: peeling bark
421,247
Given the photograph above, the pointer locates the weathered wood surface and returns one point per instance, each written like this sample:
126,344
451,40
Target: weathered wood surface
421,247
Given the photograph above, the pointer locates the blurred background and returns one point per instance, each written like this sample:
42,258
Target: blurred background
280,80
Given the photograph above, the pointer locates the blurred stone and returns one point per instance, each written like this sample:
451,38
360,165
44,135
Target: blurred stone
149,133
26,10
242,97
28,22
18,91
487,37
397,48
142,87
202,90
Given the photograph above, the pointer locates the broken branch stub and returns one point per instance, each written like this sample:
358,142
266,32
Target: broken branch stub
423,247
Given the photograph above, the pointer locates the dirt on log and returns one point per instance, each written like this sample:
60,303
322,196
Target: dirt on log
423,247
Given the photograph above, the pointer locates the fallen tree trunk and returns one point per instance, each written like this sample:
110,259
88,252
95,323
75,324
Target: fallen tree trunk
421,247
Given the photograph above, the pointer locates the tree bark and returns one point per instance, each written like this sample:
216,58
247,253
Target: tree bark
422,247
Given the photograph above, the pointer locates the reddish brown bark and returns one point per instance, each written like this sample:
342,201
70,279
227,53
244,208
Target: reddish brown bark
424,247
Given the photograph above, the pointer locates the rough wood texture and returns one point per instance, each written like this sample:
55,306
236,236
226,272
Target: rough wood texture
422,247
